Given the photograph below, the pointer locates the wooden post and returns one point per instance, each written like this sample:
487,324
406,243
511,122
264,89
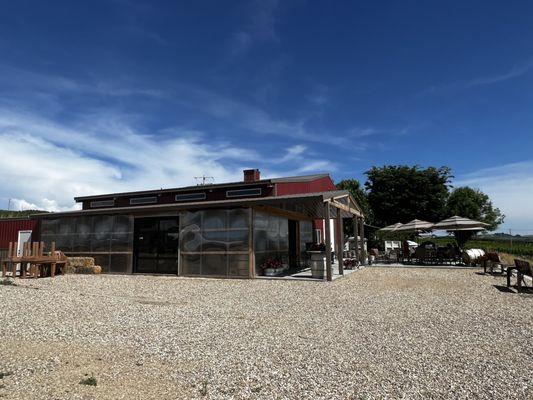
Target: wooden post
355,226
327,233
362,234
251,252
340,242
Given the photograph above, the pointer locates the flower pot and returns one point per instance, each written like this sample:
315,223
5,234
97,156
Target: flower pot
273,271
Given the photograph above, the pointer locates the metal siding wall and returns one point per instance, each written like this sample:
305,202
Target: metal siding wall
9,229
319,185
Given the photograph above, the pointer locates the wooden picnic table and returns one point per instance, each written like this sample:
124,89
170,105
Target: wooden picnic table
33,254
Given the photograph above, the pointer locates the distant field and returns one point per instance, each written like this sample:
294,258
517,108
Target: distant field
519,247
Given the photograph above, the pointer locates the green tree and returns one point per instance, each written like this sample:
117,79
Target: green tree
400,193
474,204
356,190
18,214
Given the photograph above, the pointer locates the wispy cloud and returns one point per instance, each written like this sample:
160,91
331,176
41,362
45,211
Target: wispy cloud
260,26
45,164
516,71
510,186
25,81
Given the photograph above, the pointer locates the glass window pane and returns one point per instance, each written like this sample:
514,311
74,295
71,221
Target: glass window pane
260,220
214,264
190,264
273,240
191,219
273,223
121,242
238,240
238,265
84,225
49,226
81,242
103,224
101,242
123,224
238,218
260,240
214,219
214,241
191,241
66,226
120,263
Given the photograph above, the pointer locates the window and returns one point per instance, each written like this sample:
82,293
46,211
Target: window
243,192
318,236
144,200
102,203
190,196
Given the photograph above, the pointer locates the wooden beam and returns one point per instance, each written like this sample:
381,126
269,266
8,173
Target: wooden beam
329,275
283,213
346,208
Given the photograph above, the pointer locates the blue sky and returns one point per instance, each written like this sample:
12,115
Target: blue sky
121,95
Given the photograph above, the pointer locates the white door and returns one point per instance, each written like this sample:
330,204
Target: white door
24,237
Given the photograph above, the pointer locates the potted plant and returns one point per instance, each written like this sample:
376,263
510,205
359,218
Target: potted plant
272,267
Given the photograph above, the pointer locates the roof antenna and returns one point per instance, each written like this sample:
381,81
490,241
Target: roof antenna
204,180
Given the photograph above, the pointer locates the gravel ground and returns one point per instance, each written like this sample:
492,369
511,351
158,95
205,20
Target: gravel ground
378,333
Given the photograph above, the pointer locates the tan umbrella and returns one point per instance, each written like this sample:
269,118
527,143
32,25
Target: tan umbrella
391,228
415,225
457,223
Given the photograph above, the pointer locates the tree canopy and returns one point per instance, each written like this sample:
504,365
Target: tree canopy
474,204
356,190
18,214
400,193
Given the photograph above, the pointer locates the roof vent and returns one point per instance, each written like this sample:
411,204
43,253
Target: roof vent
251,175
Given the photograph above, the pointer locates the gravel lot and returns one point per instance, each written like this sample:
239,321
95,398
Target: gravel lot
378,333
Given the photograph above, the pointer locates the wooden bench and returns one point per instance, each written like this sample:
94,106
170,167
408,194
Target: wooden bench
522,268
33,255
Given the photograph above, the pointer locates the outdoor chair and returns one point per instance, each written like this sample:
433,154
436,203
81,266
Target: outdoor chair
522,268
492,260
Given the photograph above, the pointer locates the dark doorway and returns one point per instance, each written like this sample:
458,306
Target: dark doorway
293,243
156,242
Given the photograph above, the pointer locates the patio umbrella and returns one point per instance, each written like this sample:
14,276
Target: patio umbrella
457,223
391,228
415,226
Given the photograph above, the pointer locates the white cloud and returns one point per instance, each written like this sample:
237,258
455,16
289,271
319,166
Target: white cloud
45,164
510,188
516,71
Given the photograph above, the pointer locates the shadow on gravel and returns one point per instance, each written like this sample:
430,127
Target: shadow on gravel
504,289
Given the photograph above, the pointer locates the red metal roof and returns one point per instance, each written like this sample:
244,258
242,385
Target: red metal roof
9,229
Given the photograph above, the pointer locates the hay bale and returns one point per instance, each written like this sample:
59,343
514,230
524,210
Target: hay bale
80,261
69,269
94,269
82,265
